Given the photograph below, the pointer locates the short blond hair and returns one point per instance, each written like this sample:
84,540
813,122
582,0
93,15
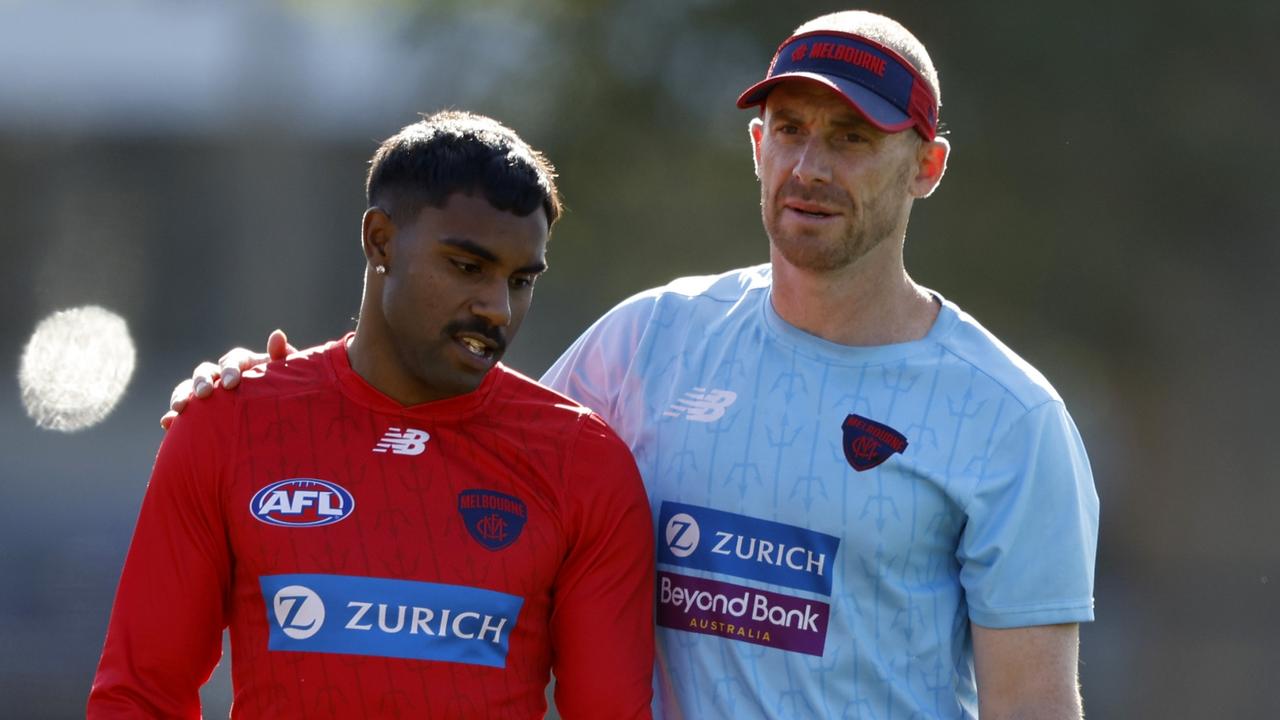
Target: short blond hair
887,32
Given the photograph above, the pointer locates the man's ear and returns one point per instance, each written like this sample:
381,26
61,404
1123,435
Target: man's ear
376,232
931,161
755,129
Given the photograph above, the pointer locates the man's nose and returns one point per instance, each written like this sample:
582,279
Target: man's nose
813,164
493,303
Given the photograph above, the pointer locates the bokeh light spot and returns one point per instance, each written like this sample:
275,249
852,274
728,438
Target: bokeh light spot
75,368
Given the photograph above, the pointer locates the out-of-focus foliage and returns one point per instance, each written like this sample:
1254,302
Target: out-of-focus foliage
198,168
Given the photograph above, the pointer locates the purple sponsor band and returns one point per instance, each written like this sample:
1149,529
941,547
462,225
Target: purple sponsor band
711,607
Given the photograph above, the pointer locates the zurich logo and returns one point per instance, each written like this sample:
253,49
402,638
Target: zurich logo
682,535
302,502
298,611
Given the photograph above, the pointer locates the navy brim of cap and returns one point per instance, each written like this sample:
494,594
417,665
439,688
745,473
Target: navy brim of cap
878,111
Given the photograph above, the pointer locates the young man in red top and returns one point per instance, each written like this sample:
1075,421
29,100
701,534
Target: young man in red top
394,524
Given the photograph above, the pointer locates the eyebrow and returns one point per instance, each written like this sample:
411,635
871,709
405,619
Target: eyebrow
848,120
785,114
852,120
484,253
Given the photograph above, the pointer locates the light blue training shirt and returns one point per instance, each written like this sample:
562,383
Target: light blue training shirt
829,518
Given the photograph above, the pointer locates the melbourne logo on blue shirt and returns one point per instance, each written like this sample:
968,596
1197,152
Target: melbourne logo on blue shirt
868,443
381,617
747,547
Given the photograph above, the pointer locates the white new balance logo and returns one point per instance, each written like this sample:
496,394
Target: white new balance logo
702,405
409,441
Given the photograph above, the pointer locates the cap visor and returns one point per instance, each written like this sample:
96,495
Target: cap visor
878,111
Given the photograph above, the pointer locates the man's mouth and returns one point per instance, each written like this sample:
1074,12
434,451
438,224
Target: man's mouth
478,345
810,210
481,344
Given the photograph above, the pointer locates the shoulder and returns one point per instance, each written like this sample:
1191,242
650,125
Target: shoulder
726,287
302,371
694,296
558,414
978,348
535,401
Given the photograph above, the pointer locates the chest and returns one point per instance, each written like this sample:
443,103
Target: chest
321,486
881,456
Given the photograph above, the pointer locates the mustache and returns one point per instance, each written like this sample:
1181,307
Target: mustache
793,189
479,327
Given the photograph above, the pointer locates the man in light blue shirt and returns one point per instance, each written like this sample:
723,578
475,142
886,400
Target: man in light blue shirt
866,506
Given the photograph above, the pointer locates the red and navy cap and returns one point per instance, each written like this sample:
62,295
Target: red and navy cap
878,82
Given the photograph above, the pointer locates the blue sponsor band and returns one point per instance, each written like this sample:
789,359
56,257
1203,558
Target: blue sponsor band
746,547
381,617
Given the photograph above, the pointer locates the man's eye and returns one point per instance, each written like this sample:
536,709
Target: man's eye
788,129
521,282
467,267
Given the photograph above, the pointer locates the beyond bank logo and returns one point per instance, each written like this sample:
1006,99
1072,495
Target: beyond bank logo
746,547
728,610
380,617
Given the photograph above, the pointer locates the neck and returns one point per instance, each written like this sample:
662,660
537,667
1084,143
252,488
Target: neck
373,357
871,302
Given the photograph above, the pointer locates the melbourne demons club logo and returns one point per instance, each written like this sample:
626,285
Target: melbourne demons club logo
494,519
868,443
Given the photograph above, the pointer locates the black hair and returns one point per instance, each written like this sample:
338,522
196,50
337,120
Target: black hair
453,151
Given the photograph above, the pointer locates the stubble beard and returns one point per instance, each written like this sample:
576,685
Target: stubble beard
426,359
866,228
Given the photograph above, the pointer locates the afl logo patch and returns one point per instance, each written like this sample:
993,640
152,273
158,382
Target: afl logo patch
868,443
494,519
302,502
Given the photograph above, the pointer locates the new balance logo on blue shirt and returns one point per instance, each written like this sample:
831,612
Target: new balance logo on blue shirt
702,405
747,547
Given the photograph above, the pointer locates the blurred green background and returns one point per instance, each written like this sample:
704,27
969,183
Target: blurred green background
198,168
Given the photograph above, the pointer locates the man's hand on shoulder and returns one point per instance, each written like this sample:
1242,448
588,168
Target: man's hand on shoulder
228,368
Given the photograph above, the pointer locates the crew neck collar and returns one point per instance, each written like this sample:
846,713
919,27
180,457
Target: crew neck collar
360,391
814,346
